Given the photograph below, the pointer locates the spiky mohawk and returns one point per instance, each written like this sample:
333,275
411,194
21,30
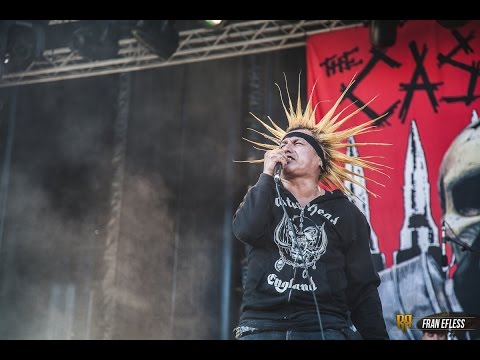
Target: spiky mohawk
325,132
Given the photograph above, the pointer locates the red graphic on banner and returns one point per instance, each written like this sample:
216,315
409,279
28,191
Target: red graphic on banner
428,84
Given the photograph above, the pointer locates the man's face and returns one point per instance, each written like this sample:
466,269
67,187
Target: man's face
301,156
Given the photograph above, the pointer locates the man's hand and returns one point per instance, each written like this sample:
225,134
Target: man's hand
271,158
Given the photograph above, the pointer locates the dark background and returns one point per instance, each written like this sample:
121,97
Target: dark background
117,194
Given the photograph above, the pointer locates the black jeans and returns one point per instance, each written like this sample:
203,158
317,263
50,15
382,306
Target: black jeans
328,334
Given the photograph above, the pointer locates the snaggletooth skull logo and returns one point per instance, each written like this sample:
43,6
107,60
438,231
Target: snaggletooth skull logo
458,186
301,246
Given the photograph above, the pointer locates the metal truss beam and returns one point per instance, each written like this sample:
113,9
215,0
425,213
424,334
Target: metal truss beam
236,39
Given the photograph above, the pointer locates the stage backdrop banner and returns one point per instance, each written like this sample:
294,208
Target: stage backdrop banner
427,83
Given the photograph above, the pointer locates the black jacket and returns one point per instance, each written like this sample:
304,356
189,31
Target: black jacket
333,241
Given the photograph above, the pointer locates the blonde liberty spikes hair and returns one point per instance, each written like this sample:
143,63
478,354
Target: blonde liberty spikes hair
330,139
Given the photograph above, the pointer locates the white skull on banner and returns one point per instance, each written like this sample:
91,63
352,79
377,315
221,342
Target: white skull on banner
459,186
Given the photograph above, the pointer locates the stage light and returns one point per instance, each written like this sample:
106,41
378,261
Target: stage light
21,43
212,23
383,33
158,36
96,40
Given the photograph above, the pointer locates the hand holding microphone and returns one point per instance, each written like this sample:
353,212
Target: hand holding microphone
274,161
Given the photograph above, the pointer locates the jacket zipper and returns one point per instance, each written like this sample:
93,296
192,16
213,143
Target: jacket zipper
295,268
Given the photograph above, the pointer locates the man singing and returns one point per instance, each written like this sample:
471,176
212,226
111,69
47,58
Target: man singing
310,272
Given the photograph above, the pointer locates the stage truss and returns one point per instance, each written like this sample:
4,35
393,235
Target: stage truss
235,39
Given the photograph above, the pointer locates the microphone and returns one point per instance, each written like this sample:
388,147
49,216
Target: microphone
444,252
276,171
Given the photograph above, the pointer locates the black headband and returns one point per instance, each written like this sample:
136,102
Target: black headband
312,141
